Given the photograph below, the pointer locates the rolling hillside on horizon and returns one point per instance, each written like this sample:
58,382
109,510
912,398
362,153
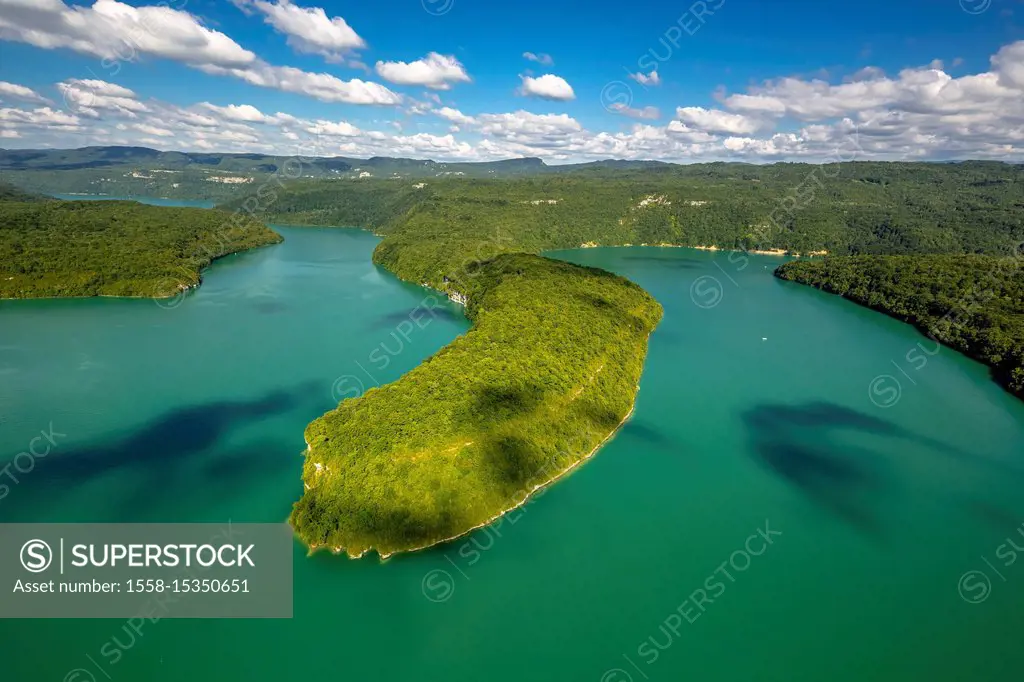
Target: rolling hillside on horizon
143,171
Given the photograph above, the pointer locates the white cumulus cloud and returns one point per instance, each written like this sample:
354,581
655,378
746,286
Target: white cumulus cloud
1009,65
529,129
642,78
434,71
718,121
649,113
237,112
455,116
43,117
308,29
88,97
322,86
113,30
15,91
153,130
540,58
116,32
333,129
547,86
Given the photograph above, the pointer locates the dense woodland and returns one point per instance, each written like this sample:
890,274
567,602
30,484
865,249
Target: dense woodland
140,171
551,365
421,478
113,248
973,303
549,370
12,193
845,209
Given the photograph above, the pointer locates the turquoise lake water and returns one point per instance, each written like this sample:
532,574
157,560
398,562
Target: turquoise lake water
152,201
766,409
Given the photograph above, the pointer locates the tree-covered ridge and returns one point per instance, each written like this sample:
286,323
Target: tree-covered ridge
139,171
974,304
844,209
9,192
465,435
548,371
114,248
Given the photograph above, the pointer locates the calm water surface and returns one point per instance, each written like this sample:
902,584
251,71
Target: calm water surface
759,405
152,201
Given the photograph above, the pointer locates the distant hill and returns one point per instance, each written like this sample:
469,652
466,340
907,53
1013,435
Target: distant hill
143,157
140,171
9,192
849,209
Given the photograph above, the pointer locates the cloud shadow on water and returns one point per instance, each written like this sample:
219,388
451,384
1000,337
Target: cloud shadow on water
270,307
803,445
670,263
648,433
163,457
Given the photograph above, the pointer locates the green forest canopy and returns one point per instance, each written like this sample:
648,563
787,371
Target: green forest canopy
548,371
844,209
973,303
463,436
551,364
113,248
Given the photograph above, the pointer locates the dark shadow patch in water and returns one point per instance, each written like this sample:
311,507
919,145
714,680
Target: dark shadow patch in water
244,464
270,307
648,433
174,436
670,263
163,459
822,414
668,338
991,513
832,480
797,443
229,473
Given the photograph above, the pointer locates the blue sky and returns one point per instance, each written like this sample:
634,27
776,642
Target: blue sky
447,79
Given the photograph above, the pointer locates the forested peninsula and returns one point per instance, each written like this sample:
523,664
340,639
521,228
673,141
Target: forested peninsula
972,303
550,367
52,248
549,370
